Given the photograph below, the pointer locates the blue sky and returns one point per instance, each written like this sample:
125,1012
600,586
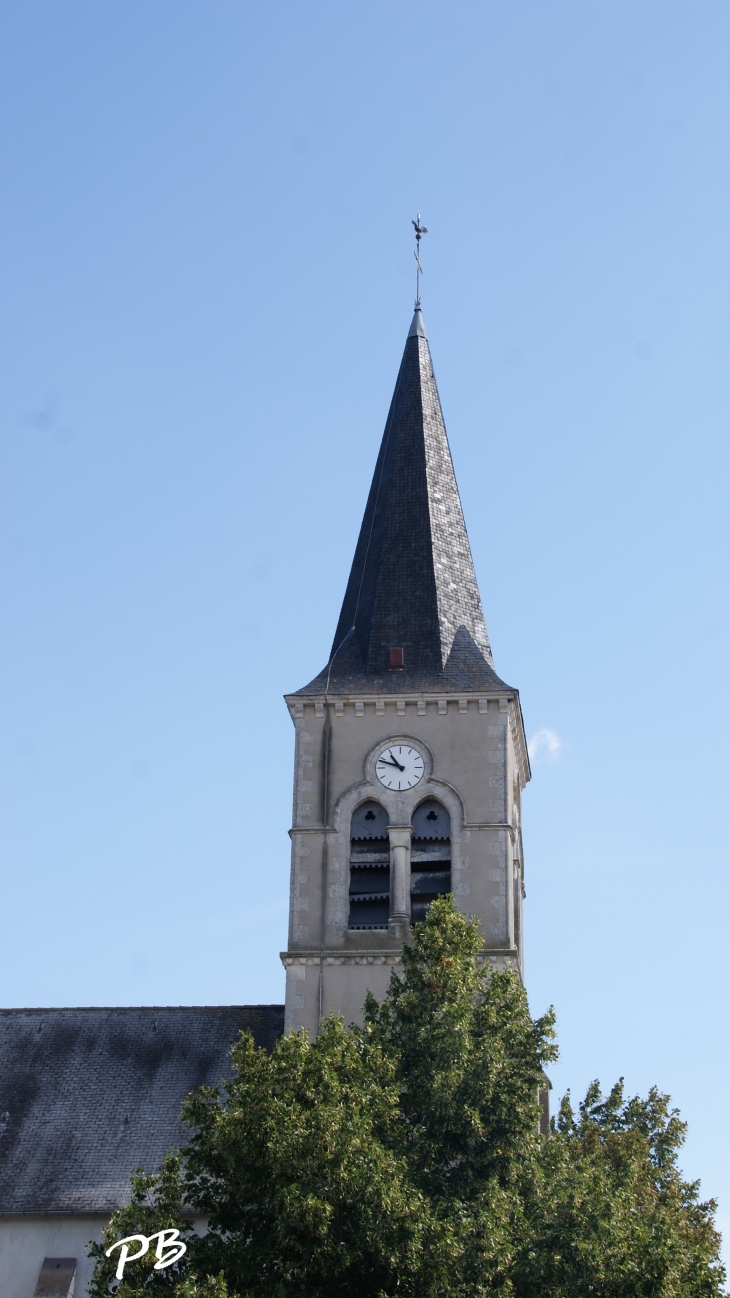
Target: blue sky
206,283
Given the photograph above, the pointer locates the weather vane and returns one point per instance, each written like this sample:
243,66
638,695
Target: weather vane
420,230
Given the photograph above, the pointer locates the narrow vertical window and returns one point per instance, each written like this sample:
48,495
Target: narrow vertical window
430,856
369,867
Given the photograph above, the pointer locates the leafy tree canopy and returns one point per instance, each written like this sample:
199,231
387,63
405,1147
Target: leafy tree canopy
403,1157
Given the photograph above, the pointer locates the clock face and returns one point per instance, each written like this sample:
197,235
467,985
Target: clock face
399,767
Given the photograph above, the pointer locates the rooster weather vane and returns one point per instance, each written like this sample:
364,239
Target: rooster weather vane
420,231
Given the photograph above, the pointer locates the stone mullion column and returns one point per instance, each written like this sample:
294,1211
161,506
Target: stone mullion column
400,879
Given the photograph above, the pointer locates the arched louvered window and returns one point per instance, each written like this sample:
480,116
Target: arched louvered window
430,856
369,867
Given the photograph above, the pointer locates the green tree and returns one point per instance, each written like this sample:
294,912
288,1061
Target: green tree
468,1060
403,1158
292,1166
609,1212
296,1166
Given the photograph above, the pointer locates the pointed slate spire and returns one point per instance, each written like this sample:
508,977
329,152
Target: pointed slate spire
412,584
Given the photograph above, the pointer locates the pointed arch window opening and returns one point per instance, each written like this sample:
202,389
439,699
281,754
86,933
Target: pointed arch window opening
430,856
369,868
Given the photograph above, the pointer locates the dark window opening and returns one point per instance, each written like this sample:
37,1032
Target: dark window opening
395,658
369,868
430,856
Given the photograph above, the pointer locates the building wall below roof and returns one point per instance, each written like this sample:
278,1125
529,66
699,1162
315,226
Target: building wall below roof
26,1241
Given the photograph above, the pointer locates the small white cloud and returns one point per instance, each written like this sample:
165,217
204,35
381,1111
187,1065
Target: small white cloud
544,746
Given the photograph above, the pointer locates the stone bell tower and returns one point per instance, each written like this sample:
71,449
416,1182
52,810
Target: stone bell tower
410,751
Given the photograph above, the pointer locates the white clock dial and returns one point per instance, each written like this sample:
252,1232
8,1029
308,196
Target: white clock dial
399,767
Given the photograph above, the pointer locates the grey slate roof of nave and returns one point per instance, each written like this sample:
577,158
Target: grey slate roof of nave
412,581
86,1095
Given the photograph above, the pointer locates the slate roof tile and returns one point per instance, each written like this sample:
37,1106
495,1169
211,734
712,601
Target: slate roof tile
86,1095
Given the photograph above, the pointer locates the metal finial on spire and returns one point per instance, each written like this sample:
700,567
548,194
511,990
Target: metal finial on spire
420,230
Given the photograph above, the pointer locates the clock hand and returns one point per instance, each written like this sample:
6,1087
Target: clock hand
400,768
383,761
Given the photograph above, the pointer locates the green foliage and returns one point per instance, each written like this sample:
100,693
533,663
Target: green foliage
609,1211
403,1158
210,1287
295,1164
467,1056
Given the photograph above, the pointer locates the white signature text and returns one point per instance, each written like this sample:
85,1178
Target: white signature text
169,1249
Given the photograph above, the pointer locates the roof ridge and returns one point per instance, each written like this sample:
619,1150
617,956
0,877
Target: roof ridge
127,1009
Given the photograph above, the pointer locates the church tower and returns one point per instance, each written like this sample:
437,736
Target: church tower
410,751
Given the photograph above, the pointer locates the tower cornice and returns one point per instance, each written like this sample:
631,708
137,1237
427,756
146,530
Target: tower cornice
397,705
